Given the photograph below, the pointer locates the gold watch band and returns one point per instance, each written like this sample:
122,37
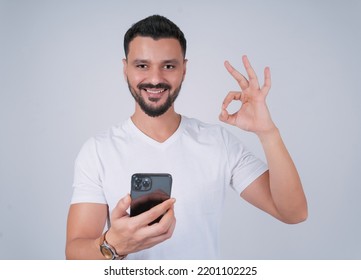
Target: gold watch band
107,250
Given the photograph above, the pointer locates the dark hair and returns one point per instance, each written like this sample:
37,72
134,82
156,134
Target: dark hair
156,27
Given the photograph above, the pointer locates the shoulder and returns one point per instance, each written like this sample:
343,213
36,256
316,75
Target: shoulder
104,138
209,132
120,130
199,126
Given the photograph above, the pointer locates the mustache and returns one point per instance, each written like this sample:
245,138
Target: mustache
159,86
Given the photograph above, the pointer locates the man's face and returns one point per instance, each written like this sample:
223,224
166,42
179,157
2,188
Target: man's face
154,70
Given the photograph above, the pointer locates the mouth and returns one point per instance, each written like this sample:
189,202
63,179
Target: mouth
154,92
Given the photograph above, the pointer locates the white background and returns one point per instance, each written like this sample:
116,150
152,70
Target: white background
61,82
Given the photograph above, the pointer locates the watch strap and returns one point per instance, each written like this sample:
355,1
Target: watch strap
104,243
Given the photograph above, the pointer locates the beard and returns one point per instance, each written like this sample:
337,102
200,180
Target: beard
150,109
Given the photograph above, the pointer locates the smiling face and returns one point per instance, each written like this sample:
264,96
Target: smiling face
154,70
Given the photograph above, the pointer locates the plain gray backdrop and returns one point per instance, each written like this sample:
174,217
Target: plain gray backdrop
61,82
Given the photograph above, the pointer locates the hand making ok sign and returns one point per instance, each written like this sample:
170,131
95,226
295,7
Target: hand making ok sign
253,115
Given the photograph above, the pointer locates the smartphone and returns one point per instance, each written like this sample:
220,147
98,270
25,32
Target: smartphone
148,190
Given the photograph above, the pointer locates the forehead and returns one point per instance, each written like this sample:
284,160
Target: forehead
149,49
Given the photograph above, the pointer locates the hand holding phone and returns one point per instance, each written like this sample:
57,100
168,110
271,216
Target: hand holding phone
149,190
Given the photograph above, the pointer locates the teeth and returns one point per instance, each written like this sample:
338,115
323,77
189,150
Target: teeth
154,91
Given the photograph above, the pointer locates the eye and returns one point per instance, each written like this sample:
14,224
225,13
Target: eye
169,66
142,66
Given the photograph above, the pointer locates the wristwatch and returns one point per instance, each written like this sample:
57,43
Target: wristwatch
107,250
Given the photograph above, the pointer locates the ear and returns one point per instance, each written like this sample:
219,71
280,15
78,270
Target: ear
125,70
184,68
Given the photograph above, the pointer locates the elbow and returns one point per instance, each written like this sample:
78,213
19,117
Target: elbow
296,220
296,214
295,217
70,251
68,255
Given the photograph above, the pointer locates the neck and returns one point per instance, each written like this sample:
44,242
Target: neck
158,128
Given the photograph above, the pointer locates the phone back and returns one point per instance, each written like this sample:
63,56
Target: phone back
148,190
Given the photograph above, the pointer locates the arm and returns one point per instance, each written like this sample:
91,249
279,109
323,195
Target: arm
279,191
86,222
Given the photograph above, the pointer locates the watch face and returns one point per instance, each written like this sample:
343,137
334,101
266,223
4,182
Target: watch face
107,253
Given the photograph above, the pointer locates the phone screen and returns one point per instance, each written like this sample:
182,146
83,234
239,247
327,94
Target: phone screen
149,190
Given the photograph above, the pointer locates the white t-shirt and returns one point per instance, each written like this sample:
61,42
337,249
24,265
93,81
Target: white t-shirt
203,160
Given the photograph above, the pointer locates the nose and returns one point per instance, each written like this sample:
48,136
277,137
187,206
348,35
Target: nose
155,76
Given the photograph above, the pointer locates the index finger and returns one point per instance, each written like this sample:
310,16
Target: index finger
242,81
155,212
163,230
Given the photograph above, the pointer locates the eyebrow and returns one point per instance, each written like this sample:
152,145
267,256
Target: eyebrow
167,61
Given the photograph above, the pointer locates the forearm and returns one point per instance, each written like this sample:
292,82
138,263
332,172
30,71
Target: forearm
285,184
83,249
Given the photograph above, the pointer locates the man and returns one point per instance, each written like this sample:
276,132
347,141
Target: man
203,160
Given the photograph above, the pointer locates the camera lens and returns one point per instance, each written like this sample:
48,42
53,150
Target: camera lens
137,183
146,183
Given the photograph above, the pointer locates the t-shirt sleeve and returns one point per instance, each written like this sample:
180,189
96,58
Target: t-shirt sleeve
244,166
87,185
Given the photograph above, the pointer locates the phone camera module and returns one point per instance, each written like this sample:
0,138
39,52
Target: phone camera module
142,183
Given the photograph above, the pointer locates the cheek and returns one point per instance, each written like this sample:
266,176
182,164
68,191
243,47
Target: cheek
134,79
175,80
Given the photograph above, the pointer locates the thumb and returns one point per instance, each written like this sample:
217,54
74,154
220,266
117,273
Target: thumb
120,209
